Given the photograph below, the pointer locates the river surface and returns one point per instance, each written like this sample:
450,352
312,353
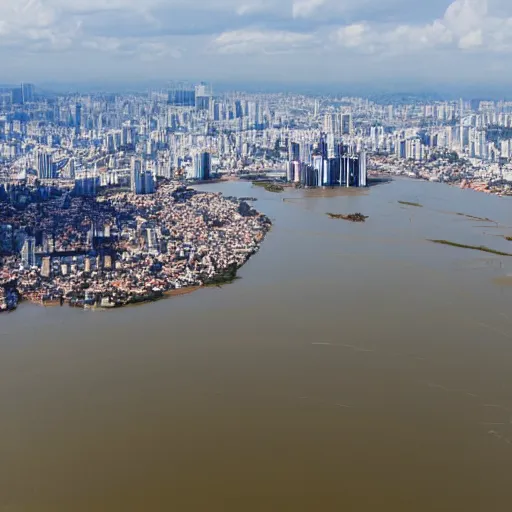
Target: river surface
353,367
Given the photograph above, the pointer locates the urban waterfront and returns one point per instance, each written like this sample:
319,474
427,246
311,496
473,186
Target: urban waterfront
353,366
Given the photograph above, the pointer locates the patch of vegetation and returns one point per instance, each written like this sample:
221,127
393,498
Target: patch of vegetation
472,217
269,187
509,238
352,217
226,276
407,203
482,248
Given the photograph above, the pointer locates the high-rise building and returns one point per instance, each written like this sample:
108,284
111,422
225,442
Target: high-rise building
294,152
506,148
203,96
329,123
17,96
136,175
201,166
87,186
142,182
46,268
239,111
45,166
78,119
27,92
182,96
148,181
353,170
346,124
318,166
28,252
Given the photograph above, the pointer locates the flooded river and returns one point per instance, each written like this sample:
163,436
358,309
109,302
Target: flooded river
353,367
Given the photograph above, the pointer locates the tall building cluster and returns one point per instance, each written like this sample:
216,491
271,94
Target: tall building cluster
142,181
201,166
326,163
187,132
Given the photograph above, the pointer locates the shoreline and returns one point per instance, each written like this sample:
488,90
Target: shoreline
134,301
223,234
221,278
458,184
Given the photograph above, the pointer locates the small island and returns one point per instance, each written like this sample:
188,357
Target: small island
352,217
269,187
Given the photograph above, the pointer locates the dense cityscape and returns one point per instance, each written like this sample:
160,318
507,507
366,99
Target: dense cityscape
255,255
95,204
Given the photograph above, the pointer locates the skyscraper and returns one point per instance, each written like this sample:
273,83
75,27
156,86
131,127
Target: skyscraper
44,165
142,182
135,175
203,96
354,170
17,96
148,181
294,152
329,123
318,166
182,96
27,92
239,111
201,167
78,119
346,124
28,252
87,186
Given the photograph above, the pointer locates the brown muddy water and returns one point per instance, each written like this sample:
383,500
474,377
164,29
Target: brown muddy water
354,367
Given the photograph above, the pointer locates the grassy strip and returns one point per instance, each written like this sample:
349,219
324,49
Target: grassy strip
483,219
482,248
407,203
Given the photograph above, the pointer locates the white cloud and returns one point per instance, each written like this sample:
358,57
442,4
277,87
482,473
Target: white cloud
254,7
96,34
152,50
355,36
398,40
157,50
306,8
35,25
472,39
464,16
466,25
103,44
260,41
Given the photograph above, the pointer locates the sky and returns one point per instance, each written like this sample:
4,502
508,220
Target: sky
368,42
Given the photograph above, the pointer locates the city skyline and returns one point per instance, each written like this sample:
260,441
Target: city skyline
91,186
442,42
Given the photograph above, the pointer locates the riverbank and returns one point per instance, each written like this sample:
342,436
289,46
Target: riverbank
223,277
475,184
175,239
9,297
